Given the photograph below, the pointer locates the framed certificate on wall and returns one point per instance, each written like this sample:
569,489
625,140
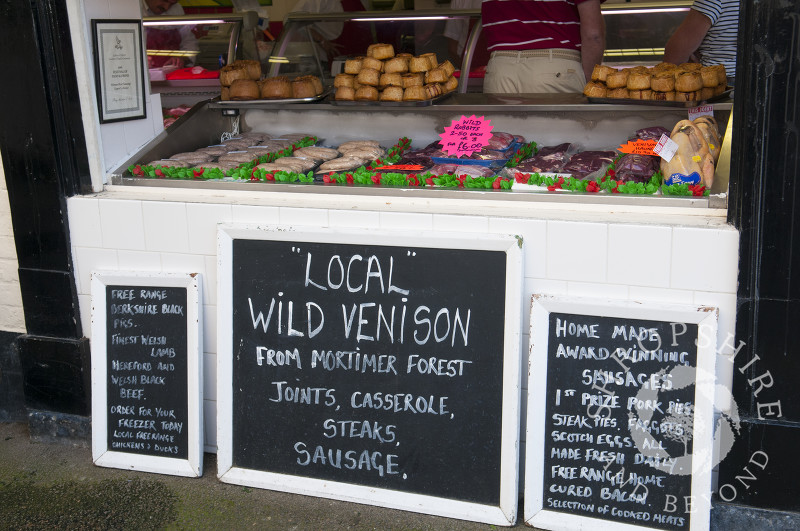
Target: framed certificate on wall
119,69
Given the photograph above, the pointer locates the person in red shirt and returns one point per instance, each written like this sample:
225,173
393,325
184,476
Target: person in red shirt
541,45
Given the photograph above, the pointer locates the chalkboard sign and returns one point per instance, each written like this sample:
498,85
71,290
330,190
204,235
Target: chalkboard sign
380,368
620,409
147,372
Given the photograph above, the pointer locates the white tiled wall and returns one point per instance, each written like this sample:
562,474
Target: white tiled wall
12,318
603,259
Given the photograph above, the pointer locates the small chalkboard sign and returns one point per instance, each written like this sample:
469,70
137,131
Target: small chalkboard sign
374,367
620,415
147,372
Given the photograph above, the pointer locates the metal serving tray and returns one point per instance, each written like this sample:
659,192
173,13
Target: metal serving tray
655,103
422,103
238,103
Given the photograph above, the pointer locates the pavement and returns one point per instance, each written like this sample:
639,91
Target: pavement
53,486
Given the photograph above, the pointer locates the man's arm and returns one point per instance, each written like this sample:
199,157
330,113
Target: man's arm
687,37
593,35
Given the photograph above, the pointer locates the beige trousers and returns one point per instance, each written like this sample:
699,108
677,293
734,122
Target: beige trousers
522,75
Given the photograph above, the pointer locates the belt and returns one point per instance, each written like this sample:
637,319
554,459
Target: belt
552,53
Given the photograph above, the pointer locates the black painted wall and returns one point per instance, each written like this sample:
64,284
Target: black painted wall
45,161
764,206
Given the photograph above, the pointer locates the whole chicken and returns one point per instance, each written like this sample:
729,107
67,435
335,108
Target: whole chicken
692,162
708,127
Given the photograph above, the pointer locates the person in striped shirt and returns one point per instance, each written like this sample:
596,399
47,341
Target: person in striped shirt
707,35
540,46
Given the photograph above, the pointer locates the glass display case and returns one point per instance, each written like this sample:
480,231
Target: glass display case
184,54
319,43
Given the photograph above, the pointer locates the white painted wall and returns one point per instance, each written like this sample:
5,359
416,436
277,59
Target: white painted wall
633,256
12,318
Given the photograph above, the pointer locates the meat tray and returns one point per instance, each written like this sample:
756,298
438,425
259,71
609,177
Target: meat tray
653,103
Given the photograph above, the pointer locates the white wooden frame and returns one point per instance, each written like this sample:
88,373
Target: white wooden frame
534,513
506,513
101,455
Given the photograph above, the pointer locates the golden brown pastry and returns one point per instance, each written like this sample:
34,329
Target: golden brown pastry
595,89
433,62
390,80
618,93
396,65
687,81
368,76
367,93
663,82
225,93
303,88
450,85
436,75
448,67
416,93
433,90
722,77
371,62
353,66
600,72
664,96
618,79
709,75
278,87
230,73
253,68
413,80
638,80
381,51
392,93
418,64
345,94
645,94
244,89
343,80
706,93
690,67
686,96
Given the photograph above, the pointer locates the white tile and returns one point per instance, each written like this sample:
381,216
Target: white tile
183,263
8,250
705,259
88,259
139,260
595,290
210,329
165,226
210,281
122,224
545,286
639,255
354,219
406,221
84,222
264,215
671,296
210,424
577,250
534,242
203,219
303,216
210,377
455,223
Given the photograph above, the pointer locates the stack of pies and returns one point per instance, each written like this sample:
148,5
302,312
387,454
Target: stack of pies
241,80
382,75
663,82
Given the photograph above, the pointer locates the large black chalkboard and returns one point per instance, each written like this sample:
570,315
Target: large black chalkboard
145,346
371,364
614,439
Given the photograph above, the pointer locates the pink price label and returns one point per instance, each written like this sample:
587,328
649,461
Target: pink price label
465,136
